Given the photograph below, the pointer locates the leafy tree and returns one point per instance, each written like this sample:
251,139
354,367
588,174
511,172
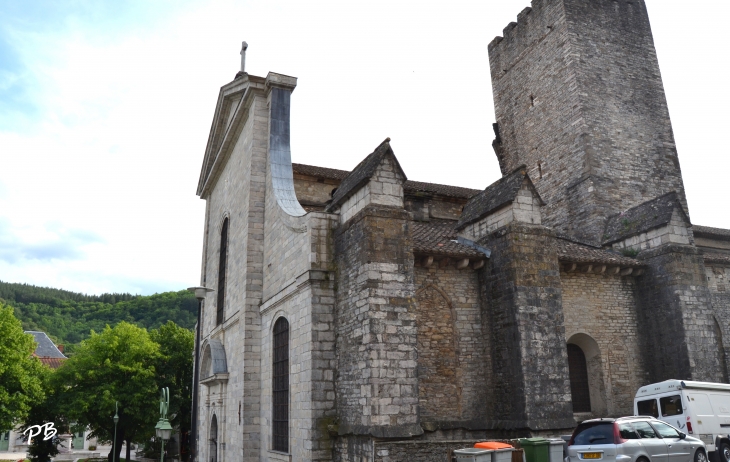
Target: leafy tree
20,383
175,370
116,365
42,412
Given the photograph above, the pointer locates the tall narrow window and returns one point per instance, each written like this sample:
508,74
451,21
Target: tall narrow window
281,386
579,390
222,273
213,440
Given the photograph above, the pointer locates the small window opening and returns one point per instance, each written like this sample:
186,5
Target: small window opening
532,101
539,169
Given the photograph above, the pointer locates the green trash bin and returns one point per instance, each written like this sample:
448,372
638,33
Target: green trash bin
536,449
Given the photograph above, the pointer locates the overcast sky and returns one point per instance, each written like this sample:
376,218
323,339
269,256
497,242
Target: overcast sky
105,109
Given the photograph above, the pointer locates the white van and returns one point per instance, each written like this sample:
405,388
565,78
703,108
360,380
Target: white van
701,409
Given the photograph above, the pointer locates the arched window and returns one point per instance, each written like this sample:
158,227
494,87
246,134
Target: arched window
280,386
213,440
579,390
222,272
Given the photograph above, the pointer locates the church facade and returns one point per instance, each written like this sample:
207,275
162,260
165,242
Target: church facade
362,316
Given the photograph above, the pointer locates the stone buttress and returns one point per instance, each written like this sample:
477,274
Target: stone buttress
522,291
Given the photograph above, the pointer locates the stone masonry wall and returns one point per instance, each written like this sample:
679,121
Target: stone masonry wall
376,383
718,281
579,100
603,307
239,195
452,363
531,387
676,317
313,189
309,309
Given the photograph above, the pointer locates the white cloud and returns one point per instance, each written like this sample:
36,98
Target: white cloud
122,112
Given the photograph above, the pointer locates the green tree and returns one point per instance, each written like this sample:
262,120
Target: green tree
175,370
116,365
20,383
42,412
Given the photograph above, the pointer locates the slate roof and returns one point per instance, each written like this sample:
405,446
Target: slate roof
362,173
714,233
436,238
581,253
498,194
46,348
647,216
410,187
721,258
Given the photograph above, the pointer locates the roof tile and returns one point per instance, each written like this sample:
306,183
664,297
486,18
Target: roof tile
437,238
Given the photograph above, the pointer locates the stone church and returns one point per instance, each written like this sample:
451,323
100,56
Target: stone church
364,316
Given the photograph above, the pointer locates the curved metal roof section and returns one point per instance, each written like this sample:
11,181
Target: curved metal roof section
282,176
217,358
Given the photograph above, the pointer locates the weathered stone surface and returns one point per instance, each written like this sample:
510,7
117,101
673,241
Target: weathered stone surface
525,314
579,100
675,315
376,327
406,343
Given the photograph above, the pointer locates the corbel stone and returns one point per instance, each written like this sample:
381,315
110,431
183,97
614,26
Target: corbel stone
478,264
599,269
587,268
427,262
614,270
626,271
463,263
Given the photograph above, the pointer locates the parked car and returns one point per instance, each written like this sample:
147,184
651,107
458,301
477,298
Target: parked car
633,439
702,409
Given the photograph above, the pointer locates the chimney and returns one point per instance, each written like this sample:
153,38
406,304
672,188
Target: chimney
60,348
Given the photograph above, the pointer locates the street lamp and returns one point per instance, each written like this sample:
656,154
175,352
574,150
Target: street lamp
163,429
116,420
200,293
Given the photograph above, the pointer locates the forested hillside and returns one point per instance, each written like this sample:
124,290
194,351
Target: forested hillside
68,317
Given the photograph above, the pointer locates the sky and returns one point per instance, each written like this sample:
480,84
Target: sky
106,107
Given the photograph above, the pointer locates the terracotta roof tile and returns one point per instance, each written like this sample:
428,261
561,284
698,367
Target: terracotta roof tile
581,253
320,172
53,363
441,189
436,238
412,187
721,258
707,231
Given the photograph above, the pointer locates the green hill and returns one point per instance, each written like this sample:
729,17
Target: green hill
69,317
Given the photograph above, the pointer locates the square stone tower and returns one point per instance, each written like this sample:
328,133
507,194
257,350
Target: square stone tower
579,100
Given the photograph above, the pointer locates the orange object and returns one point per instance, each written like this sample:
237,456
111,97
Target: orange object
492,445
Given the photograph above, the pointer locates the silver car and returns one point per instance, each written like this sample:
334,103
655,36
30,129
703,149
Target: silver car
633,439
